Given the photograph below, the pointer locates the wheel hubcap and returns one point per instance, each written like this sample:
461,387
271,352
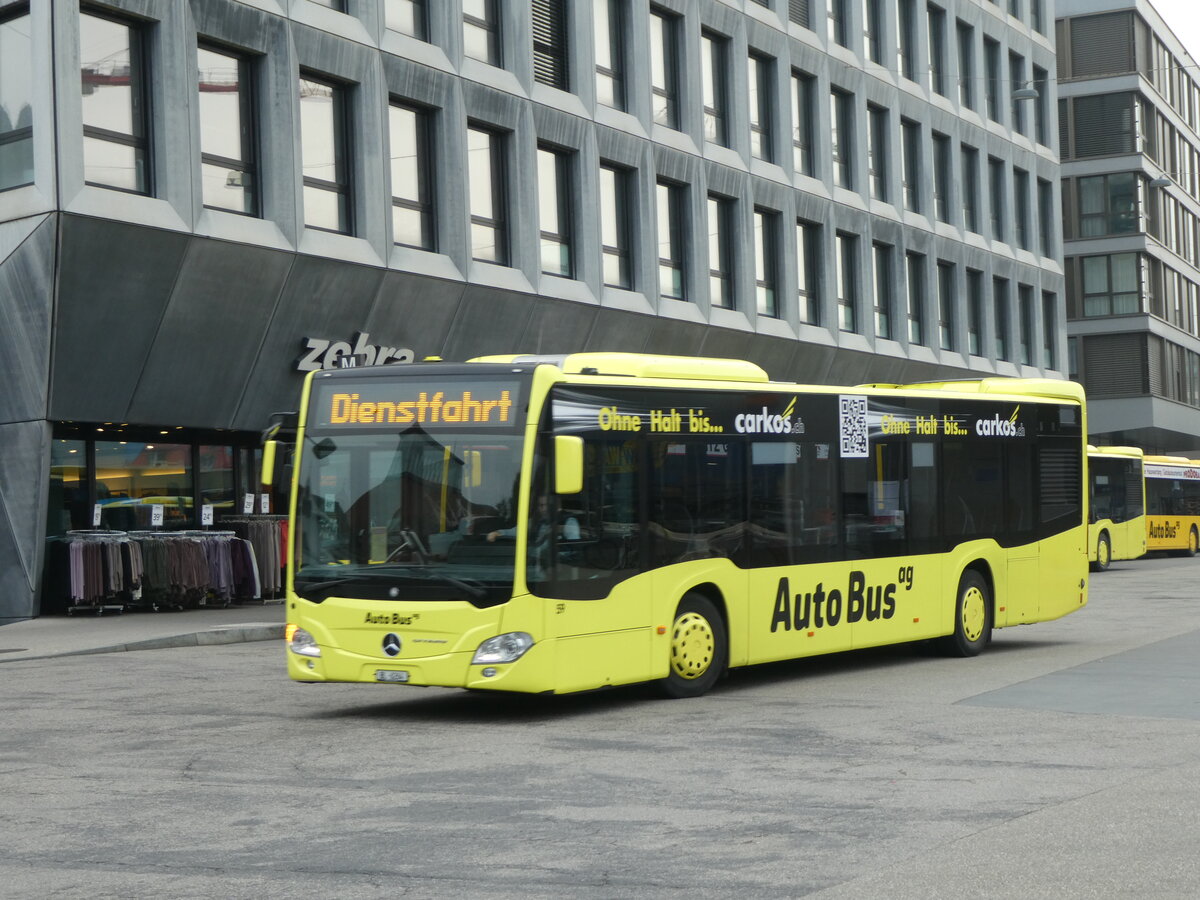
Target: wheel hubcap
692,646
973,614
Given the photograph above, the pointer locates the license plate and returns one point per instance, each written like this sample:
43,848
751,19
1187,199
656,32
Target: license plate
391,675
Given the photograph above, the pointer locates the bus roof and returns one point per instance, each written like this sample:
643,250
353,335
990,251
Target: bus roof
693,368
1135,452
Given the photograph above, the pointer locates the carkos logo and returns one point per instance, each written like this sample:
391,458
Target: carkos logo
998,427
767,422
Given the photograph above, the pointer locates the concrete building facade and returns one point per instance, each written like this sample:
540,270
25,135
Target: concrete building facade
199,199
1129,126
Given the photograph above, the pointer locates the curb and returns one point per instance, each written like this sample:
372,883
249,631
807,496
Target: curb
231,634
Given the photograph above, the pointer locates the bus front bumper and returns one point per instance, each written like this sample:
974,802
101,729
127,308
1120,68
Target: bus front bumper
531,673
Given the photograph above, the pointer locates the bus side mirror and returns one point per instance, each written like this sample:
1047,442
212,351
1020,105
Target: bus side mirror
268,462
474,466
568,464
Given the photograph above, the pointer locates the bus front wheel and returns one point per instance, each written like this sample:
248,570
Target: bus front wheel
1103,553
1193,543
972,617
699,648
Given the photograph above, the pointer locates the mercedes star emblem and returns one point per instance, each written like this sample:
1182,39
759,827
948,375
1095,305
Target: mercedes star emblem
391,644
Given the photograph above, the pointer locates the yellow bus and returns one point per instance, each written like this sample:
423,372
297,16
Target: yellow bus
1172,504
1116,505
560,524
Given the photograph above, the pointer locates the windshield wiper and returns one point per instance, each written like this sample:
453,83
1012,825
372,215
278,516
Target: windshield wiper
473,590
372,574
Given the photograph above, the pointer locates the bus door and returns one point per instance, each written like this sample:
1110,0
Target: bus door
585,565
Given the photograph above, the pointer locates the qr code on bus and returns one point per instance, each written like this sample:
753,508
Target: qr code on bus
853,421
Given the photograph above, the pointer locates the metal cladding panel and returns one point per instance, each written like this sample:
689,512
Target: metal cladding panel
615,330
26,301
209,336
675,338
554,324
415,312
23,484
809,365
489,321
322,298
115,281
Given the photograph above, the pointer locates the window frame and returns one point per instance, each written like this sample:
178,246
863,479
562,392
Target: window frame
622,224
425,204
498,222
564,237
343,152
22,134
140,107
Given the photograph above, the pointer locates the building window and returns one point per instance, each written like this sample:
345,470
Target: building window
1110,284
324,151
412,180
672,282
937,49
836,12
1021,207
996,182
966,65
808,271
991,59
846,251
550,43
609,27
1025,299
16,101
481,31
799,13
1037,15
803,86
906,38
766,262
877,150
406,17
915,265
615,227
945,289
228,153
1016,77
1108,204
554,211
943,174
1049,329
1046,223
1041,84
883,290
872,23
910,152
486,174
970,188
115,144
842,139
1000,309
714,60
664,71
762,102
974,312
336,5
720,255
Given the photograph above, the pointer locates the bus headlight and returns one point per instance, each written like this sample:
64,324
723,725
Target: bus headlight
503,648
301,642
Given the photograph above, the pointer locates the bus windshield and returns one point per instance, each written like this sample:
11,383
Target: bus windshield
408,515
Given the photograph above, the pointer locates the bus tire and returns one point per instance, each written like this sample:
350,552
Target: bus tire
1193,543
1103,553
972,617
699,648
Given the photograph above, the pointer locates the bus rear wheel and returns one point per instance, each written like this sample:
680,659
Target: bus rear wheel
972,617
699,648
1193,543
1103,554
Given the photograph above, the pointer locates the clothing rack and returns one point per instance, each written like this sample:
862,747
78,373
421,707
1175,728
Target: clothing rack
268,534
91,570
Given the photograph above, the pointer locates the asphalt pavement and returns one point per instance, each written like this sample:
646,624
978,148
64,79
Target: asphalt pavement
112,632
